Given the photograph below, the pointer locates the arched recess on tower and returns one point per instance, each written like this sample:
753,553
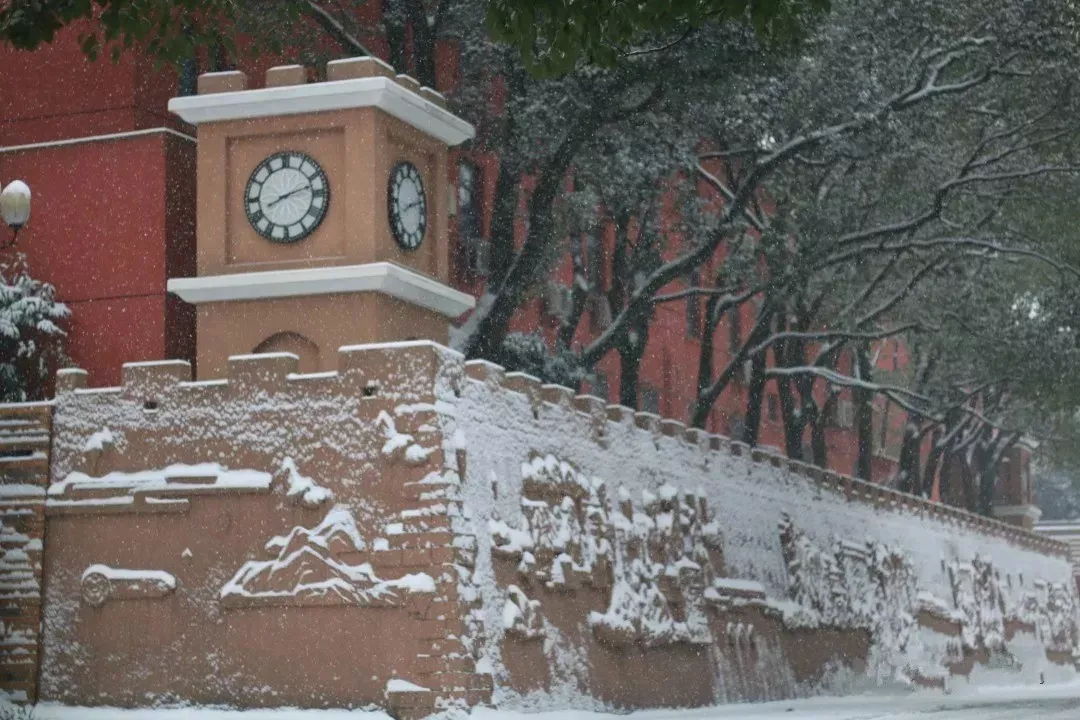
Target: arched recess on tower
295,343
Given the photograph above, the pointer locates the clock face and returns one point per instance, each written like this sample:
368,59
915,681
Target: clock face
407,206
287,197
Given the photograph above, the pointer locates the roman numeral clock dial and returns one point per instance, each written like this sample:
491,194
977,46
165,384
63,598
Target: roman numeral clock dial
407,206
287,197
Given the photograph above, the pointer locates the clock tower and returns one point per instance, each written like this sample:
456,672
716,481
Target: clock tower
321,213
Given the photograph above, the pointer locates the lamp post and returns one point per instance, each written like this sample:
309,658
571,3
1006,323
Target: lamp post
15,209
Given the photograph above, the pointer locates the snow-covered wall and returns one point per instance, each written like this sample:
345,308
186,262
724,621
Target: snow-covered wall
267,539
743,515
414,530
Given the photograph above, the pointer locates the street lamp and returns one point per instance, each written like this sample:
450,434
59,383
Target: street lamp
14,208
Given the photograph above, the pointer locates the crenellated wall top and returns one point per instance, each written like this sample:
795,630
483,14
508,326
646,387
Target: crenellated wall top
404,372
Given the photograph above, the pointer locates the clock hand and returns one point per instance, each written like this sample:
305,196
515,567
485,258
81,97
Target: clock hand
287,195
411,205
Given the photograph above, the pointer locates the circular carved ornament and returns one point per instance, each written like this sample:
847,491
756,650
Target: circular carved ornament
96,589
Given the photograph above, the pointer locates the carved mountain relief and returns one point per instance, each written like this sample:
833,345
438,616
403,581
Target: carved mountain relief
324,565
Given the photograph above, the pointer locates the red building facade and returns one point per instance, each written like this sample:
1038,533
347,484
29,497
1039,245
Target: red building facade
113,181
113,177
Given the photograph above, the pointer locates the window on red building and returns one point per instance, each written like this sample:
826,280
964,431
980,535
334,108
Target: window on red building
595,264
473,245
845,414
649,399
734,331
772,408
738,428
598,385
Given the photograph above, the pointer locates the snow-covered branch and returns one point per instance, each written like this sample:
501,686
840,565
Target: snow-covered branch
830,335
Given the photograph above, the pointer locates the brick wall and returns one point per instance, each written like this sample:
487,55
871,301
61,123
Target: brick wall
24,474
290,534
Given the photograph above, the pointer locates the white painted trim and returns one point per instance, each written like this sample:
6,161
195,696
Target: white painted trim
29,404
388,278
1059,527
182,364
97,138
262,356
1028,511
379,92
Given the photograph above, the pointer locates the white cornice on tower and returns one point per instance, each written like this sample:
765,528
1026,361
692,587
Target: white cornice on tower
383,93
383,277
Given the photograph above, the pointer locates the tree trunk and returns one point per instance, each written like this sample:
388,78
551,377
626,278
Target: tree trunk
698,419
787,354
714,389
393,17
864,414
630,355
580,292
930,470
503,213
509,291
907,481
794,425
817,442
423,43
219,58
755,395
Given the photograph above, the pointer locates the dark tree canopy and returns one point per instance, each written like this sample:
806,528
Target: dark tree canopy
551,35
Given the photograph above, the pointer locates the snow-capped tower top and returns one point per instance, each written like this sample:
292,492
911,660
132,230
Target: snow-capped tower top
321,213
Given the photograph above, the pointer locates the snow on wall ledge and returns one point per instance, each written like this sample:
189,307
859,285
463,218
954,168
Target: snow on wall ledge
418,531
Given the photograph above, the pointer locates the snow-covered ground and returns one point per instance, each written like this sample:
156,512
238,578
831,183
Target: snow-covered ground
1059,702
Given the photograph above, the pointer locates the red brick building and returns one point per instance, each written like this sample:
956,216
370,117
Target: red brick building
112,174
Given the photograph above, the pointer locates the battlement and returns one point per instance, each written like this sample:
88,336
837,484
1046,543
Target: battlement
342,69
600,418
392,369
350,83
368,371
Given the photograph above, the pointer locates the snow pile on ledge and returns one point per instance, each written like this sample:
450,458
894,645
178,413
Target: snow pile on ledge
521,616
401,445
305,488
397,685
21,490
160,578
173,477
99,440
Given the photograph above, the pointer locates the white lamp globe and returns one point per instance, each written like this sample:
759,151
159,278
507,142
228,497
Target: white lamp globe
15,204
